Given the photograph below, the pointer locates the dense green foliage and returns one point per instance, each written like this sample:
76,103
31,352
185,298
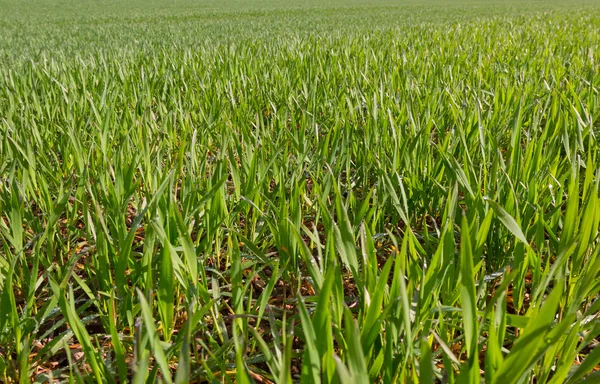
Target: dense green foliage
343,192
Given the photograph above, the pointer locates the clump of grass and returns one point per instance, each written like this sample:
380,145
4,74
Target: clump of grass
268,194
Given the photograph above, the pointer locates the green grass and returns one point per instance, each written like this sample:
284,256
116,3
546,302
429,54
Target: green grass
343,192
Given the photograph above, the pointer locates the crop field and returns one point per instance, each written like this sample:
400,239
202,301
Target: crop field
318,191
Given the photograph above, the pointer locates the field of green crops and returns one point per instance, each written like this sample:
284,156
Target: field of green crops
319,191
